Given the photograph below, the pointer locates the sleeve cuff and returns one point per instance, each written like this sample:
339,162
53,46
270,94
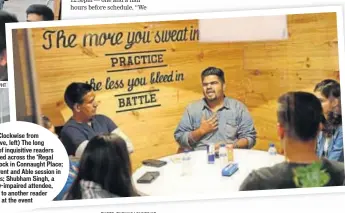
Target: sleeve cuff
185,139
129,144
251,142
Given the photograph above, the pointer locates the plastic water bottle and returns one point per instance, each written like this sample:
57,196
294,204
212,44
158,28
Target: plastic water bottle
186,163
272,149
223,156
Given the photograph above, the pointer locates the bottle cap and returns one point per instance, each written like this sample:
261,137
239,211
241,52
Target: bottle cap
271,144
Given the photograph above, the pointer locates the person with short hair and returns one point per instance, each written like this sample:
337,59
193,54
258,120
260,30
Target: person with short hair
85,123
299,122
39,12
104,171
330,140
46,123
5,17
215,118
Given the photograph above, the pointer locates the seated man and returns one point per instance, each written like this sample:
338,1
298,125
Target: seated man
85,123
215,118
39,12
299,122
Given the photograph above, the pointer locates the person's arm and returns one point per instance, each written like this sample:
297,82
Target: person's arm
246,130
113,128
206,126
337,150
250,183
242,143
183,129
80,150
129,143
71,138
185,134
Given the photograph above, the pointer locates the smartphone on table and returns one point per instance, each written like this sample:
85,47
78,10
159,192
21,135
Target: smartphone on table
154,163
148,177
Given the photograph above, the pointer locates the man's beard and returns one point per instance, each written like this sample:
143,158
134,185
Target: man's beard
210,99
3,73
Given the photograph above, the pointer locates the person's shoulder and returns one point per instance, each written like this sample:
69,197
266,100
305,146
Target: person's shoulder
340,130
196,103
336,171
269,173
105,121
101,117
195,106
252,182
69,125
334,166
235,102
264,178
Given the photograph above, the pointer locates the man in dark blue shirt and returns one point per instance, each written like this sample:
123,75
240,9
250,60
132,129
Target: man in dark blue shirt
85,123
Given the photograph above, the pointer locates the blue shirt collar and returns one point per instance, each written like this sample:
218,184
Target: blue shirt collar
226,103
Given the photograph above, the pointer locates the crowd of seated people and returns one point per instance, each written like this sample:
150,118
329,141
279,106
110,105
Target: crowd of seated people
300,117
309,128
102,168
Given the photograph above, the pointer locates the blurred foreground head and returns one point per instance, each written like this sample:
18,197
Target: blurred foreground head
299,117
105,164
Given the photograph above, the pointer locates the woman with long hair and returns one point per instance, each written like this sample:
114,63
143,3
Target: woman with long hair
104,170
330,139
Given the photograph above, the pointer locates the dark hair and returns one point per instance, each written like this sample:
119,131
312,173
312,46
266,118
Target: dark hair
5,17
106,162
42,10
213,71
300,113
75,93
330,89
46,122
